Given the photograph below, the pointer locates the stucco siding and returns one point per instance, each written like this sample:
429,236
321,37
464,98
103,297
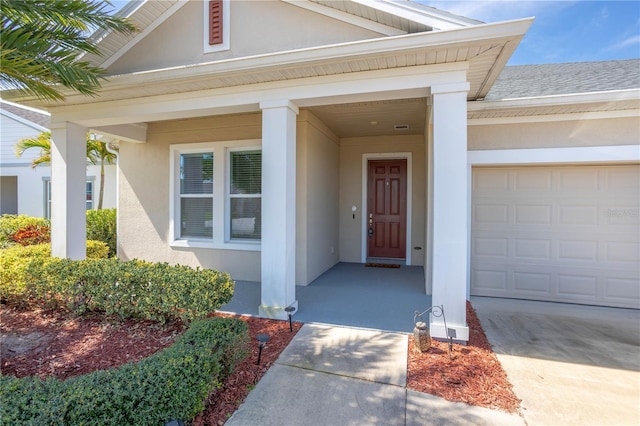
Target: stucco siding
321,167
257,27
145,195
351,154
554,134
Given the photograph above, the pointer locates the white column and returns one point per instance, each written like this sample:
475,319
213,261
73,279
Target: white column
450,203
68,190
278,270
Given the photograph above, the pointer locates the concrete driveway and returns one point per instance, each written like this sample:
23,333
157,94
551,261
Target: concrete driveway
569,364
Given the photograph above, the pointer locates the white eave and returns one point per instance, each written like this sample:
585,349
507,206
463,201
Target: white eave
486,48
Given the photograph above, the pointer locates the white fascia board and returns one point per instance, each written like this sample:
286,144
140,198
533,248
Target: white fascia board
555,100
346,17
333,89
434,20
142,34
333,52
551,117
589,154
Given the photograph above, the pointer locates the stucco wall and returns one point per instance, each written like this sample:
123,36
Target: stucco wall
145,197
317,214
554,134
257,27
351,154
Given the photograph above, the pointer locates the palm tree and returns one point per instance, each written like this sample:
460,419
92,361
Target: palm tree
96,151
41,42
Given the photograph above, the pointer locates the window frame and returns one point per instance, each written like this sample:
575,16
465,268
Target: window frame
229,195
221,205
46,195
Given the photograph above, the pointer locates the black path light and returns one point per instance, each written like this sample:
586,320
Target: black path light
290,310
262,340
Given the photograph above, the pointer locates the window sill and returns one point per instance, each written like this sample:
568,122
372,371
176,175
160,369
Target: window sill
230,245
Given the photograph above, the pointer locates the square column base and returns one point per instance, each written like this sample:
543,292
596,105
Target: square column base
276,312
438,331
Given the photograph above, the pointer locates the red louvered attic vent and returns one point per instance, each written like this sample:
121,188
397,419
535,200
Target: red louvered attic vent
215,22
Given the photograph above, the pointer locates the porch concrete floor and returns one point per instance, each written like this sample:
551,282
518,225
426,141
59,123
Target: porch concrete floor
351,294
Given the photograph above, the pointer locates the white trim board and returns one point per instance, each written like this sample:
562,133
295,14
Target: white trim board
365,173
590,154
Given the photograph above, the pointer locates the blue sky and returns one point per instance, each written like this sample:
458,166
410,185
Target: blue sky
564,30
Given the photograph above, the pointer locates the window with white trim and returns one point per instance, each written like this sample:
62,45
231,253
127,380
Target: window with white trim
47,196
245,194
216,194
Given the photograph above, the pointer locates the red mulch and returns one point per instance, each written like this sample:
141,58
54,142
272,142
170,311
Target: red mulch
223,402
471,374
49,343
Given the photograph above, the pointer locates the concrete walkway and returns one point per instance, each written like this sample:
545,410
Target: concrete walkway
335,375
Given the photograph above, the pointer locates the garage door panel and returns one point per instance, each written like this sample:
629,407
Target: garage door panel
585,250
577,287
623,252
491,282
533,248
485,213
526,283
558,233
578,215
533,214
622,291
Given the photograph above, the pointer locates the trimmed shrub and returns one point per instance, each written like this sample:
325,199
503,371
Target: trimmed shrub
171,384
137,289
15,261
11,223
101,226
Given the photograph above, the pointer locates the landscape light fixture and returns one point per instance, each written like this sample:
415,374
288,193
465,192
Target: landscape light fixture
290,310
262,339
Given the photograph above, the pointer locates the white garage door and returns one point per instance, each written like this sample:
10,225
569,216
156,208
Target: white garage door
560,233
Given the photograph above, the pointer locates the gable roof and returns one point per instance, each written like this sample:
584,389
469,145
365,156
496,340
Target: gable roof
404,16
566,78
28,116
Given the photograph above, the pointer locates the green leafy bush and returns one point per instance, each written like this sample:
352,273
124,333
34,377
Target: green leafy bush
101,226
171,384
135,288
11,223
16,260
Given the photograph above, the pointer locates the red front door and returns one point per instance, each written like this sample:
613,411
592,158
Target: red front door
387,209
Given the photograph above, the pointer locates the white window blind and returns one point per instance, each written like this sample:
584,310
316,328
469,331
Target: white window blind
245,194
196,195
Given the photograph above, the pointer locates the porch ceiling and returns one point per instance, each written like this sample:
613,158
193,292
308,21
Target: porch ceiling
374,118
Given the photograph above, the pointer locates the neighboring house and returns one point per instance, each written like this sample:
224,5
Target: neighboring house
27,190
273,139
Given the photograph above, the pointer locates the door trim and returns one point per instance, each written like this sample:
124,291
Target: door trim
363,210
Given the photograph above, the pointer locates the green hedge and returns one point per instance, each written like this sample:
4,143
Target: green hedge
101,226
16,260
11,223
138,289
171,384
